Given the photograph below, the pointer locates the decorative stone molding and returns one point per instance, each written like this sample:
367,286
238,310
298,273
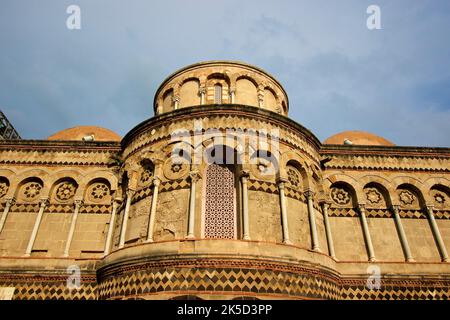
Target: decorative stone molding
434,162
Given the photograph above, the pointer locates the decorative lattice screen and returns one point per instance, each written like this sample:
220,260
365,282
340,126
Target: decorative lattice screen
220,204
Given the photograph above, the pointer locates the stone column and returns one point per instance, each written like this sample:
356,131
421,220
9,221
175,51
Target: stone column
312,221
152,218
437,234
402,235
126,214
367,238
261,100
202,92
245,222
44,203
194,176
232,95
284,219
112,220
328,230
78,204
8,204
176,102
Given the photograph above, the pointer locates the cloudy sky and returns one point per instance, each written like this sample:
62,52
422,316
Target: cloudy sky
394,82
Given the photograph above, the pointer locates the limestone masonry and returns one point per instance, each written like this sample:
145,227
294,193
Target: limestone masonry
221,196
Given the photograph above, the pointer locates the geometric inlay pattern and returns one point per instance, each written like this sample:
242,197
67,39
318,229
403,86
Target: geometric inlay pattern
257,185
37,287
223,276
220,203
264,279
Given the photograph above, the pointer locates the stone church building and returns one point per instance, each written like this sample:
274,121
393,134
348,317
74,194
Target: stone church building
221,195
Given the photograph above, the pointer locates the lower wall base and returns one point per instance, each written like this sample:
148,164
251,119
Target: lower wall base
38,287
222,283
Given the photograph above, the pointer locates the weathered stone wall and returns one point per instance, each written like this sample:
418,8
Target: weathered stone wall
298,223
265,217
16,233
348,239
171,219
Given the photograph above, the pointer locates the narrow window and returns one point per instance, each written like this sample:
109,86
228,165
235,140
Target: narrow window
220,202
218,94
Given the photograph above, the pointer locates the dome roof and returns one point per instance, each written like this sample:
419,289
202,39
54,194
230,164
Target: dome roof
86,133
362,138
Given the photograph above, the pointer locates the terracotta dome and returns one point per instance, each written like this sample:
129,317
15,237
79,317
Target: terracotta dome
362,138
86,133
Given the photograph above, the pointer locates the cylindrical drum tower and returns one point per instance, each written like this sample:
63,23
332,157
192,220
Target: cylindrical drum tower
221,195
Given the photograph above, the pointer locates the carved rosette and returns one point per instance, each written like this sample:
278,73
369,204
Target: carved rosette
30,191
65,191
407,198
98,192
340,196
373,196
293,177
440,199
175,170
146,176
263,169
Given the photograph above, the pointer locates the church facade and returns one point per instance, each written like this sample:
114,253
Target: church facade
221,196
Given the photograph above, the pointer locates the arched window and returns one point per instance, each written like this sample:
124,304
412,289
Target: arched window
220,202
218,94
220,219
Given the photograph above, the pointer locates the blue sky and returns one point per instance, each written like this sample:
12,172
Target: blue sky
394,82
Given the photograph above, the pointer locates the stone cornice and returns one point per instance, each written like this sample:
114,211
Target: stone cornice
222,110
386,158
43,152
55,145
390,151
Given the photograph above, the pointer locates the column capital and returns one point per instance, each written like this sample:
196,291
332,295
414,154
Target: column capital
194,176
362,207
78,203
309,194
10,202
395,208
156,181
175,98
281,182
130,193
44,202
245,174
117,200
325,204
